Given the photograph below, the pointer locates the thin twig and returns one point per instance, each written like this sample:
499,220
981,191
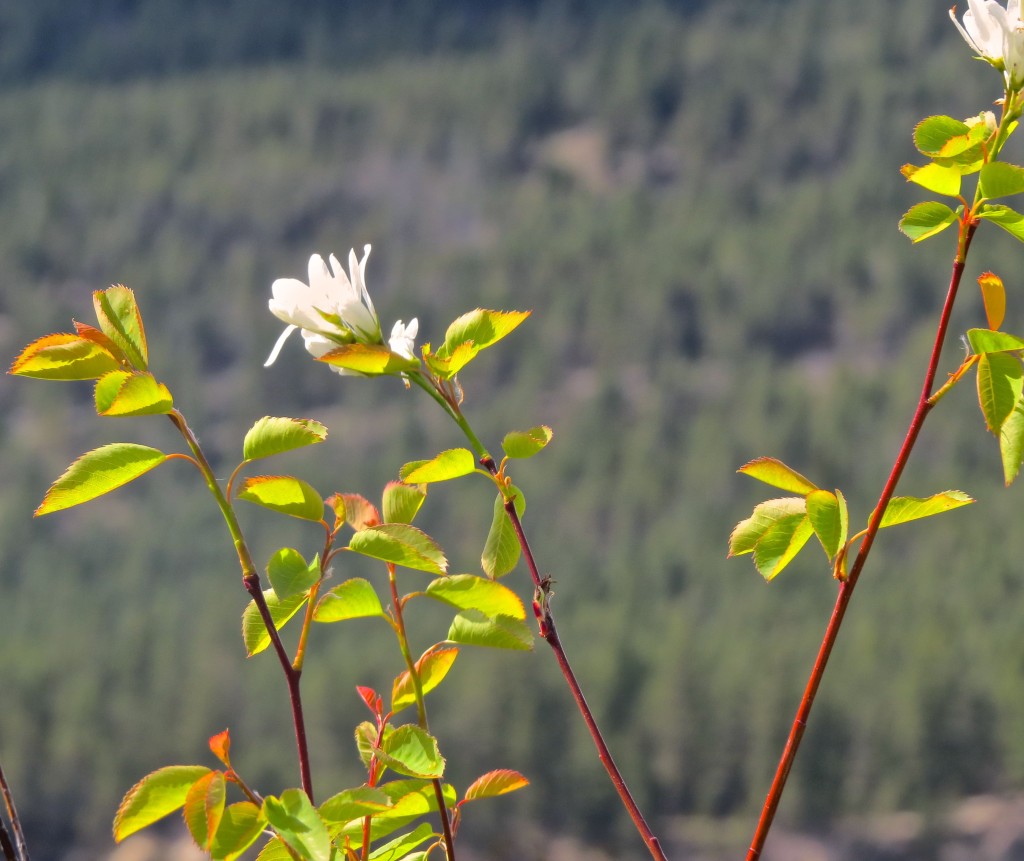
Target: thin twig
18,851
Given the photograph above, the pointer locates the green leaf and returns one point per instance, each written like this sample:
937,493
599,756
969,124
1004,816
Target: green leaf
275,850
353,599
902,509
469,592
1011,443
400,544
366,740
829,518
453,463
402,501
155,796
941,136
63,356
448,367
411,751
204,807
254,632
285,494
432,668
298,824
987,341
934,177
481,327
501,549
290,574
780,544
353,804
777,474
97,472
748,532
495,783
1000,179
473,628
119,319
369,359
1010,220
124,393
400,847
1000,384
924,220
272,435
526,443
240,825
411,799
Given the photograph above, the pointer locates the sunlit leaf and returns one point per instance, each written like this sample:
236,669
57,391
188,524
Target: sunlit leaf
473,628
220,747
780,544
298,824
123,393
527,443
453,463
97,472
402,501
934,135
400,544
1001,179
284,494
273,435
411,751
924,220
827,519
204,807
290,574
369,359
902,509
993,295
432,668
119,319
1011,443
353,599
502,548
777,474
1000,384
495,783
987,341
1010,220
155,796
353,803
934,177
748,532
355,510
400,847
450,365
240,826
469,592
63,356
274,850
410,799
254,632
481,327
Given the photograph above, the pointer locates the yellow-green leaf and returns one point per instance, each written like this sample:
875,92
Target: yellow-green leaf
1011,443
748,532
240,826
1000,384
155,796
97,472
829,519
204,807
118,316
298,824
285,494
924,220
131,393
780,544
369,359
777,474
993,295
902,509
527,443
453,463
469,592
473,628
353,599
934,177
432,668
274,435
495,783
400,544
63,356
254,632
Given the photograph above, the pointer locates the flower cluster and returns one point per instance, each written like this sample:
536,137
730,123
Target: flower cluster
997,35
334,309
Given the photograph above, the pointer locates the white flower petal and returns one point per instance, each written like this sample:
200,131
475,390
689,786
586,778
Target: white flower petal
277,347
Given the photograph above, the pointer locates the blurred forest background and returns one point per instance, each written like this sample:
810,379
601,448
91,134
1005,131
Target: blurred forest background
699,202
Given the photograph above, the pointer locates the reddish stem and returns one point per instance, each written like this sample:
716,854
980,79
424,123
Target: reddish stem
17,851
546,623
846,587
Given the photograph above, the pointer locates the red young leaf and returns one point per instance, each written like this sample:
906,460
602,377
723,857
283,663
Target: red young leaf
372,699
220,744
359,511
495,783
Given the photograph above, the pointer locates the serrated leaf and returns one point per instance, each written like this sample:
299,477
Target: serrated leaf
450,464
1010,220
298,824
368,359
480,327
358,511
118,316
448,367
748,532
502,549
204,807
275,850
527,443
273,435
774,472
1000,384
993,295
137,393
987,341
411,799
473,628
402,501
284,494
220,747
412,751
902,509
780,544
366,740
254,632
495,783
97,472
290,574
1011,443
240,825
353,599
157,795
934,135
1000,179
400,544
432,668
400,847
63,356
829,519
354,803
469,592
934,177
924,220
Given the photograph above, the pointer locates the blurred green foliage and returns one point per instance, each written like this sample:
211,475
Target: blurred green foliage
699,201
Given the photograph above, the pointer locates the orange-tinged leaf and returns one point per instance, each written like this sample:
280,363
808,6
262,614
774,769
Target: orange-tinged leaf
119,319
432,667
63,356
155,796
358,511
220,744
97,472
131,393
204,807
993,294
368,359
772,471
494,783
285,494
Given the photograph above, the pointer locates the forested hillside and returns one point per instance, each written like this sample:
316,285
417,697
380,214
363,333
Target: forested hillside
698,201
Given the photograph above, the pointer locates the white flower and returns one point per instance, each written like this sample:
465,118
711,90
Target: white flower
334,308
403,338
997,35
